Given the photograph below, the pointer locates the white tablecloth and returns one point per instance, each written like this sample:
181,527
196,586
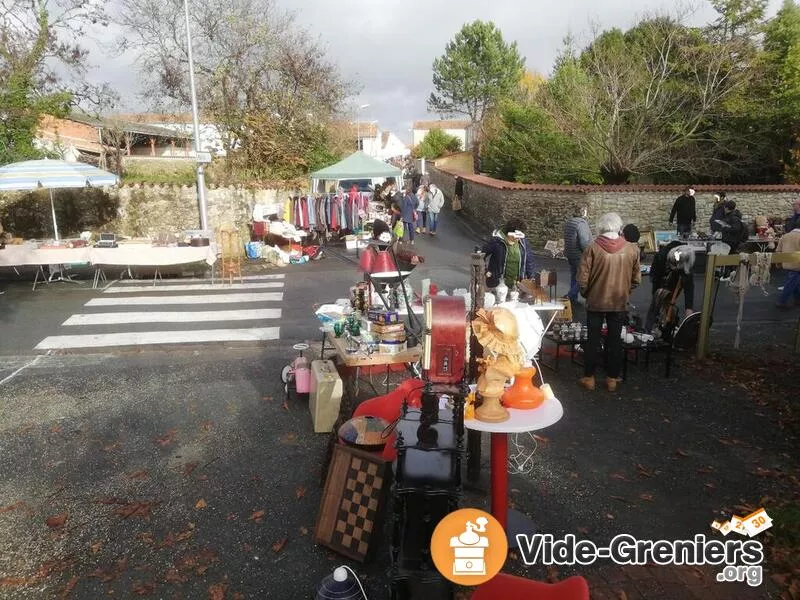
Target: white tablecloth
126,255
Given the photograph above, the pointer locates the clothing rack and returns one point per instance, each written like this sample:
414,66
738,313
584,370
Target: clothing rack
326,213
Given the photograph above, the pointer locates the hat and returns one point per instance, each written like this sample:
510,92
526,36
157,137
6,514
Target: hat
496,330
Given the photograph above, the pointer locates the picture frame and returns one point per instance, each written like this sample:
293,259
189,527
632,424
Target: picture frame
648,241
665,237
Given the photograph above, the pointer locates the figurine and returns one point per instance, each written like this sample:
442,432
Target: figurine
496,330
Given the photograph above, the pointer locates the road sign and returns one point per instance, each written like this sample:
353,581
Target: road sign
204,157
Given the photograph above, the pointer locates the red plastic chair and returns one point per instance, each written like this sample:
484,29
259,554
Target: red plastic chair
509,587
388,407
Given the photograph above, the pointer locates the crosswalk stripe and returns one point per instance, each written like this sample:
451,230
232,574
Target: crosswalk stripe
201,299
142,338
130,289
201,279
254,314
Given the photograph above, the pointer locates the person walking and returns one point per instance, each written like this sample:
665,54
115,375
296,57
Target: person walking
608,272
408,210
684,211
509,257
422,209
793,222
435,204
458,194
790,242
577,237
733,230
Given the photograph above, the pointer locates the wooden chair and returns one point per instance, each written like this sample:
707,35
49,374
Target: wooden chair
231,248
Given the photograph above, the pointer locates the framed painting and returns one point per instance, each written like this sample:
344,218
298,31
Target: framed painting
648,241
665,237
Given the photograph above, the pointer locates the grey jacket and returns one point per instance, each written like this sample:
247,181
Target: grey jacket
577,237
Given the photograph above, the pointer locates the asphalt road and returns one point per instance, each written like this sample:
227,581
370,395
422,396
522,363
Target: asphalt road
179,471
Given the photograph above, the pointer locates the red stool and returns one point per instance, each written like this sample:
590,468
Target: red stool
509,587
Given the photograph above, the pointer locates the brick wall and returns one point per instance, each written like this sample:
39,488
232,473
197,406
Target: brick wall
545,208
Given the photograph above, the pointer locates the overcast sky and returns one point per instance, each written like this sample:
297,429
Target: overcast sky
388,46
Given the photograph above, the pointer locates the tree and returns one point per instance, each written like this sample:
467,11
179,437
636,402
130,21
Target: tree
738,18
266,83
476,71
437,143
524,144
42,65
642,101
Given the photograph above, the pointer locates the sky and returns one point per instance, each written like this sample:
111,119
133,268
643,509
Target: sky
388,46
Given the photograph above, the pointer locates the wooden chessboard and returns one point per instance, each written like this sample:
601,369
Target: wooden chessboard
349,519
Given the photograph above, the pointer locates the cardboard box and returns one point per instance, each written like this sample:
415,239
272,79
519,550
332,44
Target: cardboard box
380,328
383,317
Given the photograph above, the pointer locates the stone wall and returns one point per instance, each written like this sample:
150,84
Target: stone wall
132,210
545,208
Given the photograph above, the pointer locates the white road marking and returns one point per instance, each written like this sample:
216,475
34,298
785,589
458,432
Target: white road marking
201,279
201,299
219,287
145,338
22,368
254,314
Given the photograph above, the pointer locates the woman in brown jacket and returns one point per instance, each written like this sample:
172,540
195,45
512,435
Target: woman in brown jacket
608,271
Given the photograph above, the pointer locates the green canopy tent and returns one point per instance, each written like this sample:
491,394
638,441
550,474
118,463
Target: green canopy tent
356,166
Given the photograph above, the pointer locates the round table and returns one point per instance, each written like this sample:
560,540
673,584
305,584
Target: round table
519,421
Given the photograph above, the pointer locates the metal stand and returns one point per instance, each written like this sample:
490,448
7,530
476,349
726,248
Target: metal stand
477,292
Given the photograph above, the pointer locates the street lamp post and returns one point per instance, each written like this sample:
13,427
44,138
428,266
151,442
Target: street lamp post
201,178
358,125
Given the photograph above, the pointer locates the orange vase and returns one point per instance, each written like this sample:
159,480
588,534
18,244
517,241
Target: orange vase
523,394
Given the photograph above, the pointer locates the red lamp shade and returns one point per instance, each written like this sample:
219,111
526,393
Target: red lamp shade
366,261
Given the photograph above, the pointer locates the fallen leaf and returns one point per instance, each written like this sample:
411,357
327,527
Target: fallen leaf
96,546
55,429
111,500
189,468
642,471
201,504
201,570
217,591
278,545
10,507
540,438
174,576
710,486
705,470
138,475
206,425
144,589
57,521
257,516
300,492
609,516
167,439
647,497
290,437
552,575
681,453
583,530
631,430
111,447
665,420
232,517
285,405
303,531
724,441
69,587
146,537
246,547
573,474
621,595
618,476
237,596
135,509
620,499
267,398
26,428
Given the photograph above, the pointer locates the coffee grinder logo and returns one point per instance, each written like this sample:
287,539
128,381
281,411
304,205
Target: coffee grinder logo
469,547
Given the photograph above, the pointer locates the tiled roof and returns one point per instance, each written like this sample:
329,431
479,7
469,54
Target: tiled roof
442,124
632,188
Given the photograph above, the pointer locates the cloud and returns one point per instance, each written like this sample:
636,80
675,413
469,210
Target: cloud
387,47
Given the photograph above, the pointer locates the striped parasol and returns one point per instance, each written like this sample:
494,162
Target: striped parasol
53,174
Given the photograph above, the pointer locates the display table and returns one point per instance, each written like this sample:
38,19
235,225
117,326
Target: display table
353,362
520,421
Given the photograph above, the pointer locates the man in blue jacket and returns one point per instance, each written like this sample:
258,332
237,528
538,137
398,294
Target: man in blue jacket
509,256
577,237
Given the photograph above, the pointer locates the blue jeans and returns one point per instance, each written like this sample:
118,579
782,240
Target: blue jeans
409,231
574,289
791,287
422,219
433,221
684,228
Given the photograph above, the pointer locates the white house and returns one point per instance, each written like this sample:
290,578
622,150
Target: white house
382,145
455,127
210,136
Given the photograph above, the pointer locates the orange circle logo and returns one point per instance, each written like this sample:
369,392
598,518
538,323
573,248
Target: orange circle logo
469,547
